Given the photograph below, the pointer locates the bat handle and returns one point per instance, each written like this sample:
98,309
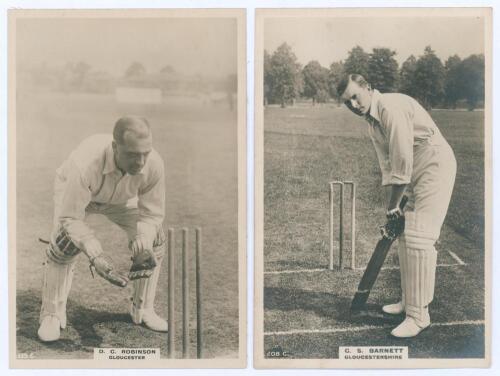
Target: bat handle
403,202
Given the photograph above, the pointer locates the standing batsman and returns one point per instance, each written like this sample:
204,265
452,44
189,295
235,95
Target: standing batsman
122,178
415,160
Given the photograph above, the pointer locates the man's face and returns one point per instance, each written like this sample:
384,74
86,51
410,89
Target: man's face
357,98
131,156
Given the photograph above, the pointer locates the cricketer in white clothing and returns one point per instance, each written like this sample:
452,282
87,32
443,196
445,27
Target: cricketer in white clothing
121,177
415,160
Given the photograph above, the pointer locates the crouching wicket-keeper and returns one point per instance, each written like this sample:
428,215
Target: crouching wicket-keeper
415,160
122,178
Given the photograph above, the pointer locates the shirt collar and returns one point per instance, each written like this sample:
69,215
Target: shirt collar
109,162
373,113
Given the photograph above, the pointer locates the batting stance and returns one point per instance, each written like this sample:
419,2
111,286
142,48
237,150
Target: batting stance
122,178
416,160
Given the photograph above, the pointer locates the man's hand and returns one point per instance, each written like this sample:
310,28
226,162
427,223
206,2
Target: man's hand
141,243
106,270
395,224
143,259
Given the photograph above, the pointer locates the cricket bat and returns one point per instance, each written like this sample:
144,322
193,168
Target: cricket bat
372,270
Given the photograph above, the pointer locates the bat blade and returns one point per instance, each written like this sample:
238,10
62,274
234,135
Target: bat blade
370,274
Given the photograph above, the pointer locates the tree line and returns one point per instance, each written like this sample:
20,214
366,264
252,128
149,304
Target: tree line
455,83
82,77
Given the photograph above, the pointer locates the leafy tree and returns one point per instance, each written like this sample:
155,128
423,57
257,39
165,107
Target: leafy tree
429,79
268,80
231,83
453,87
66,80
135,69
73,76
299,82
80,72
334,76
315,82
472,76
383,70
407,83
167,69
357,62
42,75
285,79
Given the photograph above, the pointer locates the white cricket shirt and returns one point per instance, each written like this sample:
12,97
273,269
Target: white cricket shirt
90,175
398,123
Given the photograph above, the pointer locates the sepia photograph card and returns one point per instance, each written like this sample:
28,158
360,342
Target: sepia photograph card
127,188
373,188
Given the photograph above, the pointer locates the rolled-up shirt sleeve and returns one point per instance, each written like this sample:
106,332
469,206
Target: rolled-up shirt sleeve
399,132
151,203
76,197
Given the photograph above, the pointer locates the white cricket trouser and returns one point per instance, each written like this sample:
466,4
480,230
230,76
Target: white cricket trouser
429,193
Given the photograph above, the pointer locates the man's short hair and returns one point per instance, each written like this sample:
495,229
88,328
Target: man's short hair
138,126
344,82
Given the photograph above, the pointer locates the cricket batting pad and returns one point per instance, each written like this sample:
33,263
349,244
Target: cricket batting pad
55,289
144,289
402,267
420,265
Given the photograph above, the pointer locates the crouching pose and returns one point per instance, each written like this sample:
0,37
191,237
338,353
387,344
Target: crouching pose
121,177
415,160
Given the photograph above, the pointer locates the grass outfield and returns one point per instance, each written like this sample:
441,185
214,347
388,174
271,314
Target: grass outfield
305,148
198,145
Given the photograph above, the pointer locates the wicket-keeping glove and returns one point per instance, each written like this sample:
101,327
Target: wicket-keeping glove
104,267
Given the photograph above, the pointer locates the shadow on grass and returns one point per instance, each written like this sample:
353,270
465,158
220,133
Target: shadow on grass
83,319
324,305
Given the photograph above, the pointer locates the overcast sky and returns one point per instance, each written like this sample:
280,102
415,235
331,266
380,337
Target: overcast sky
190,45
329,39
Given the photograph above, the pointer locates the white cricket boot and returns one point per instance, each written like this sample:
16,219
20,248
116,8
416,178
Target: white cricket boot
50,329
394,309
411,327
154,322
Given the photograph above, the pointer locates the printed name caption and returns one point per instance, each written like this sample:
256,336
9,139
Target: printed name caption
373,353
111,353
